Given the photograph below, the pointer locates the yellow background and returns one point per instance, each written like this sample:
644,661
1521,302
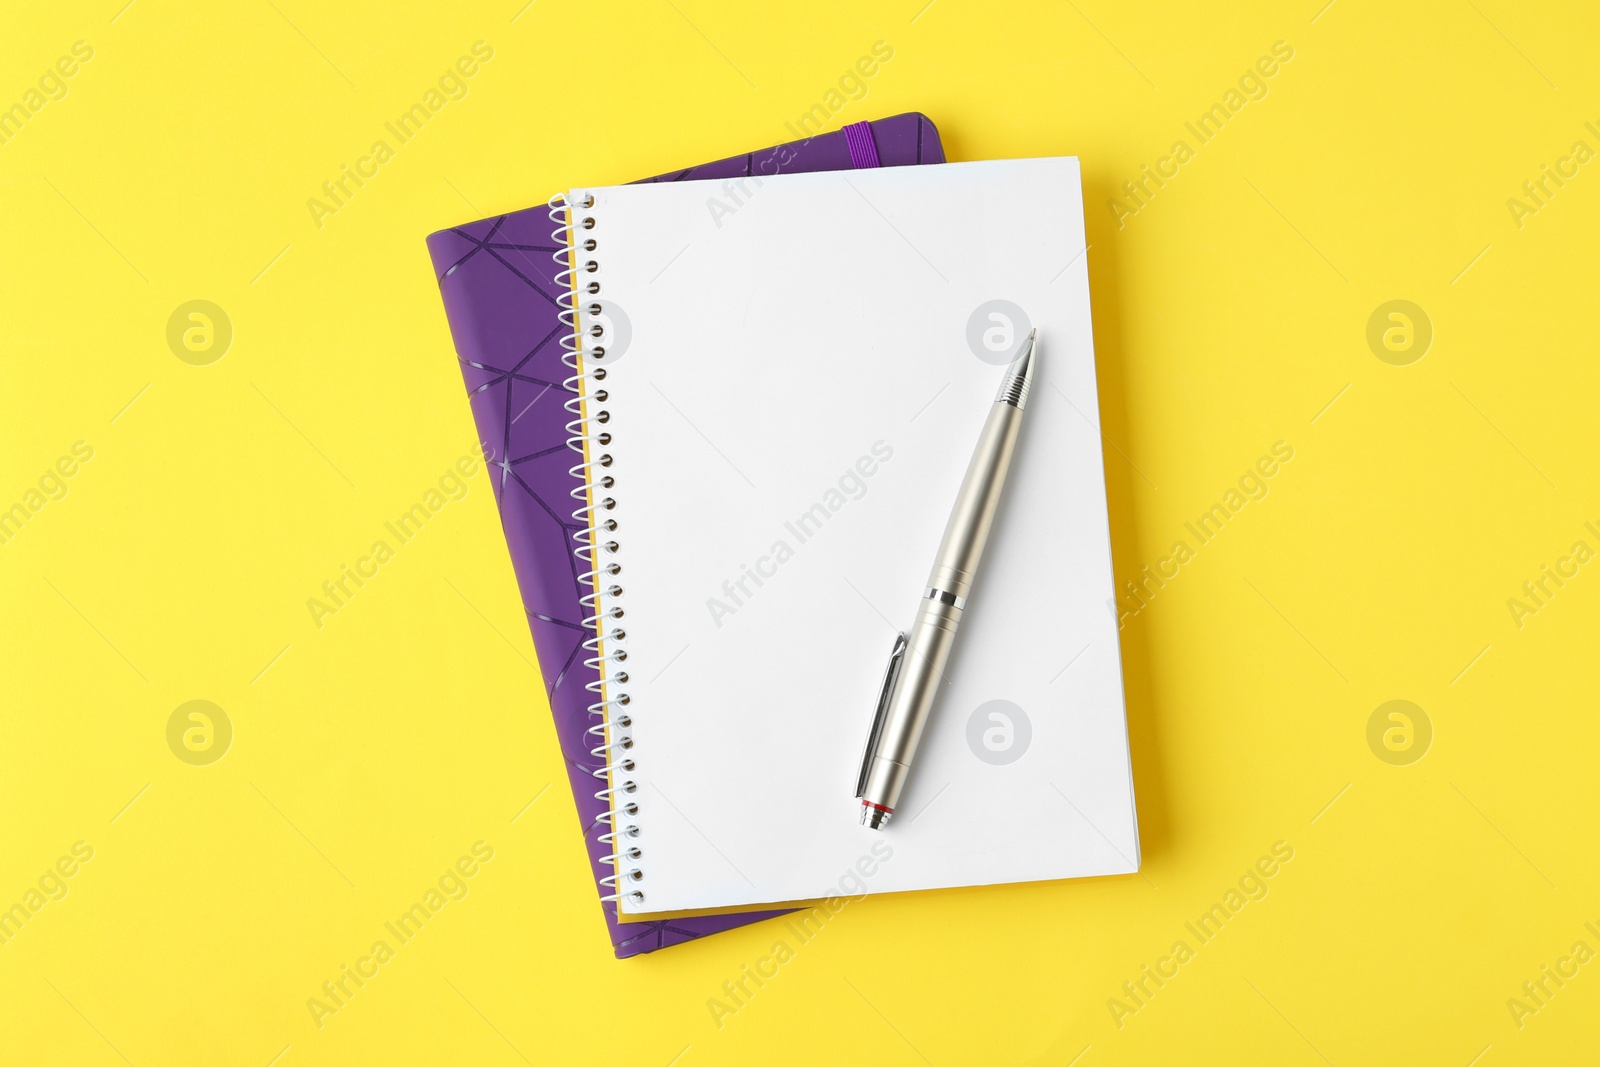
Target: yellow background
369,754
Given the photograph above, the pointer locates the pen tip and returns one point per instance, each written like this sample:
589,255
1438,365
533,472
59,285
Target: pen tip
1019,375
1022,362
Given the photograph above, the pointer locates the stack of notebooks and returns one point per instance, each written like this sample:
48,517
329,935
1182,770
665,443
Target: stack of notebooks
726,411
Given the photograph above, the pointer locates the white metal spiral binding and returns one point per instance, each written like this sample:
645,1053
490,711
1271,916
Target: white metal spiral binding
610,733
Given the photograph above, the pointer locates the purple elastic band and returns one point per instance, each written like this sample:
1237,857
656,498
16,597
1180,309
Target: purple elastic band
863,151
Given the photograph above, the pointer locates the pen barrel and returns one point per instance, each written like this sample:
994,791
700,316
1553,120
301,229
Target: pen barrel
967,530
932,635
922,672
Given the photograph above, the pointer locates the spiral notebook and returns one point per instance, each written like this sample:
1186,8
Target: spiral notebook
497,282
777,397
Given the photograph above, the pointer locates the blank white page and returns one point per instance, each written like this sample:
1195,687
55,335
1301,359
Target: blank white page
793,403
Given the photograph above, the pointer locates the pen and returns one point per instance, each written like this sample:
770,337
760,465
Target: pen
916,664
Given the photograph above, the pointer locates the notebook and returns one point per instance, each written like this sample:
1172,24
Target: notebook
779,396
495,279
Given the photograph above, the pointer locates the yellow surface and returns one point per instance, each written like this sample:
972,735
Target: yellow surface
370,754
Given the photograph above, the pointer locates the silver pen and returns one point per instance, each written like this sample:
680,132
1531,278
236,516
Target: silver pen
916,665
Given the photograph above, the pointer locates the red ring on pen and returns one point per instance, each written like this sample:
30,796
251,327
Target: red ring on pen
880,807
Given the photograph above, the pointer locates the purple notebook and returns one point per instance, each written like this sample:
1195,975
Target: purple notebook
496,276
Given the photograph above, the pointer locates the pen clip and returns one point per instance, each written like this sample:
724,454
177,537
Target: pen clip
890,673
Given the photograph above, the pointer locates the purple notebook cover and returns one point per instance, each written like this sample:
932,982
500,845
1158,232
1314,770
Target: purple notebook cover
496,277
